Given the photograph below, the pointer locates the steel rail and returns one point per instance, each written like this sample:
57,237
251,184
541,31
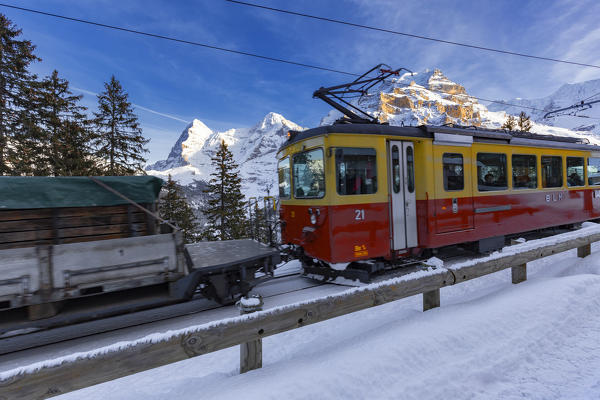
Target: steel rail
46,336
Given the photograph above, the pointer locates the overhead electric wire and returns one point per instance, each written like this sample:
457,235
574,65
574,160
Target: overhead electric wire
154,35
373,28
587,98
274,59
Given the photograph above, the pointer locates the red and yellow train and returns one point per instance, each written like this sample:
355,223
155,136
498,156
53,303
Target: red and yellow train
351,192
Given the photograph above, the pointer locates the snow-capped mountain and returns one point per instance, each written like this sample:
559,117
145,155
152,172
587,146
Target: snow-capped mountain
584,121
429,97
413,99
254,150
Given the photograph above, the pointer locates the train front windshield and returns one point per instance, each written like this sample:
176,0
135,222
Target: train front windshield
283,172
308,174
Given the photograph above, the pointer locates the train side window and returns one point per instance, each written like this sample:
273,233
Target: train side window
410,167
454,172
552,171
309,174
593,168
356,170
575,171
491,172
524,170
283,172
396,169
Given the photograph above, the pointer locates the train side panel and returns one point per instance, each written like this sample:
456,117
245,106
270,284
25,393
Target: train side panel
470,214
453,204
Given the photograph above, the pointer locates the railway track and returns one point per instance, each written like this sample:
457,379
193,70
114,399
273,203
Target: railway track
29,336
32,334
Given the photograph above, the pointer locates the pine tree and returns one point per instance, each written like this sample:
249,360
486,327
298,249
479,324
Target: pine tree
524,122
256,220
119,136
174,208
225,206
263,224
24,154
63,135
15,78
76,157
510,124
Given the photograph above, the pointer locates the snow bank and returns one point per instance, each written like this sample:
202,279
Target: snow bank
588,228
435,262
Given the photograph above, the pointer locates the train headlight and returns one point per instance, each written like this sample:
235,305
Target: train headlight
313,219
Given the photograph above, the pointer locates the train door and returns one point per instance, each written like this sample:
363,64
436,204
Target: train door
402,195
453,187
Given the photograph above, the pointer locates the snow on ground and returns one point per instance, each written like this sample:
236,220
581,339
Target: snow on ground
290,267
490,339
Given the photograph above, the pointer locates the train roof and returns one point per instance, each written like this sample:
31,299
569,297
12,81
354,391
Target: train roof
478,134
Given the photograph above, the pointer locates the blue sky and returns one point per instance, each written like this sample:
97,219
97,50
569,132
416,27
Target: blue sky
172,83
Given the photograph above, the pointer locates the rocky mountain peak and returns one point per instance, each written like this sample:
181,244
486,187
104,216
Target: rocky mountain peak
426,97
197,134
254,150
429,97
271,119
438,82
193,136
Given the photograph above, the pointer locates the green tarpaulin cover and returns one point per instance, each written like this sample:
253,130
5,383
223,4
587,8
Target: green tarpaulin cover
22,192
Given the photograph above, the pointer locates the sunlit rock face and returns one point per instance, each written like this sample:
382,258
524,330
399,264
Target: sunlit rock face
427,97
431,98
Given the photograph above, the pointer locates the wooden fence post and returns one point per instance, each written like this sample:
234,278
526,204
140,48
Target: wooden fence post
250,352
584,251
519,273
431,299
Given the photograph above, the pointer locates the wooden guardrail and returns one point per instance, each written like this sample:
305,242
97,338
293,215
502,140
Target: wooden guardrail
75,372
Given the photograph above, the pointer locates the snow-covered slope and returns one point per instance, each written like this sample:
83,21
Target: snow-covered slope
586,122
253,150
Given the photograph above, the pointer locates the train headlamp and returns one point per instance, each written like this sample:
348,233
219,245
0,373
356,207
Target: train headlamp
313,219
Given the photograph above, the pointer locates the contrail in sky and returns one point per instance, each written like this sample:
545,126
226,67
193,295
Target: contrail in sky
138,106
162,114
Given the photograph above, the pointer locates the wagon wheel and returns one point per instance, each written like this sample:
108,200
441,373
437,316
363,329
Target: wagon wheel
222,295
